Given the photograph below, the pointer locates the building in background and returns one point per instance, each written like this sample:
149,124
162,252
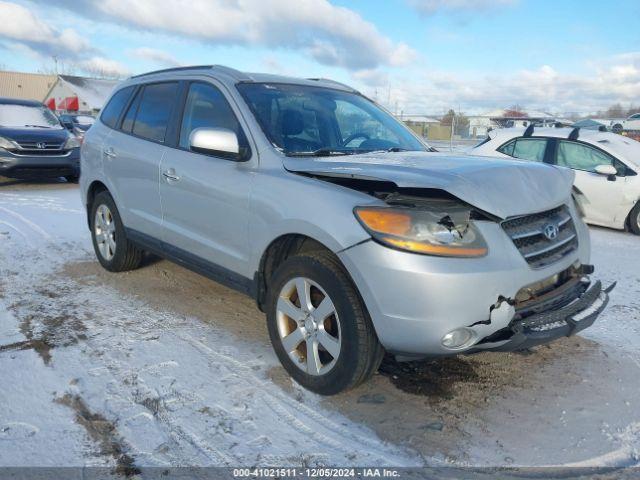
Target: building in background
61,93
71,94
26,86
420,124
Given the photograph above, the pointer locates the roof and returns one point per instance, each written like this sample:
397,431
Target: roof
19,101
91,91
28,86
237,76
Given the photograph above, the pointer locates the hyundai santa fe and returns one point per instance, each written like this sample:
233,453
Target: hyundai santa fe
351,234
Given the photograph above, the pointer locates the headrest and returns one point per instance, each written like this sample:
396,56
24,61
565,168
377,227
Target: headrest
292,122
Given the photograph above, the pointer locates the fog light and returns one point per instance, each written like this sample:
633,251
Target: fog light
458,338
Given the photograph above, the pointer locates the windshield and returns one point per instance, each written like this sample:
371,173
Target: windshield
308,120
27,116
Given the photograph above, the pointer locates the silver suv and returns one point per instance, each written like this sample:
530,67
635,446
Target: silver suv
353,236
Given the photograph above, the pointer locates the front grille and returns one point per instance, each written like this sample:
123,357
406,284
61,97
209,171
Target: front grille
40,148
527,234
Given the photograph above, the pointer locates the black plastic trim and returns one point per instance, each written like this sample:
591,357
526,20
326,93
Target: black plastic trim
194,263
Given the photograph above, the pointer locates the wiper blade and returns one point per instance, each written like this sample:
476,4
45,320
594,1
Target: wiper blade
321,152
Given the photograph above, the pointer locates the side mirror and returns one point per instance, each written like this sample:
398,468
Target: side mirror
608,170
219,142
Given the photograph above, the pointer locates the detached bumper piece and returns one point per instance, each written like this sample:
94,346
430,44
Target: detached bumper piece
531,329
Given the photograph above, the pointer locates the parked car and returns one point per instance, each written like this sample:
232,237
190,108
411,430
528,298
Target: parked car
606,167
77,124
352,237
33,142
630,124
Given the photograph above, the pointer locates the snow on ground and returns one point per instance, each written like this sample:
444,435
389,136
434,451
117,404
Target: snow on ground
160,367
175,391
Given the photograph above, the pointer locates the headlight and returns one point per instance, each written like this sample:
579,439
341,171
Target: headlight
448,233
72,142
8,144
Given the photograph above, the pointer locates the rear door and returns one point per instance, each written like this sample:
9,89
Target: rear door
133,153
604,195
204,197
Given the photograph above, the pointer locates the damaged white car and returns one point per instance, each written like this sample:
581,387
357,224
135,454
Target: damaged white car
353,237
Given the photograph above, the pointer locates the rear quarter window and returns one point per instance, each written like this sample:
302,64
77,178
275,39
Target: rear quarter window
112,111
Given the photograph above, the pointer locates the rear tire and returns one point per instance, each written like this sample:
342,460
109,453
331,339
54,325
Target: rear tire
341,340
634,219
114,251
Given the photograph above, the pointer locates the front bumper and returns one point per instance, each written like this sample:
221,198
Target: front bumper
551,323
415,300
39,166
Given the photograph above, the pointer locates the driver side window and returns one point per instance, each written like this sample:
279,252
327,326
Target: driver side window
358,125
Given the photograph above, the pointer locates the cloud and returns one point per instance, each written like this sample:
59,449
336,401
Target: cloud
23,27
104,67
613,80
330,34
430,7
25,32
154,55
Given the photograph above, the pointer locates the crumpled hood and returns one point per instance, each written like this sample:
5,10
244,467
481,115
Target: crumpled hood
502,187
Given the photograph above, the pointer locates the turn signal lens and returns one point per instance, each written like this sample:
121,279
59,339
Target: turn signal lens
431,232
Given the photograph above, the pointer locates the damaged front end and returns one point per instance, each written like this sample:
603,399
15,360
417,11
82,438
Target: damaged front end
558,306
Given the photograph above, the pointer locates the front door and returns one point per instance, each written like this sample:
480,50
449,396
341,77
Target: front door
205,198
604,195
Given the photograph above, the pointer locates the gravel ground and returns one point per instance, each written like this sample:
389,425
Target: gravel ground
162,367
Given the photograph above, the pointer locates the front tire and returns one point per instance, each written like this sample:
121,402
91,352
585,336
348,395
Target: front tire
114,251
319,326
634,219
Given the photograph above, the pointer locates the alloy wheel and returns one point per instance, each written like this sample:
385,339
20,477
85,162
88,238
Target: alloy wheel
308,326
104,229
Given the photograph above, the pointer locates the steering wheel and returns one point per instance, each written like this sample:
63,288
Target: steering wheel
353,136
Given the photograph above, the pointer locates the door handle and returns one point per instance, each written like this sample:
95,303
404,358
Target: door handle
109,152
171,175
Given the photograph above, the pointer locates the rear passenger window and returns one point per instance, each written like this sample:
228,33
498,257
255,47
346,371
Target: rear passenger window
111,113
154,111
530,149
525,148
206,107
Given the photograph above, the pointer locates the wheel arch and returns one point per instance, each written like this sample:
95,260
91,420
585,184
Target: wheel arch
94,189
279,250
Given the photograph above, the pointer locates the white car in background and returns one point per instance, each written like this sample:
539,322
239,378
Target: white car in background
629,125
606,165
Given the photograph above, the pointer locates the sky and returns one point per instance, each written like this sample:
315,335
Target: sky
413,56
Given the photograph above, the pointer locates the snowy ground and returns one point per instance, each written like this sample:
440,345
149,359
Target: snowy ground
161,367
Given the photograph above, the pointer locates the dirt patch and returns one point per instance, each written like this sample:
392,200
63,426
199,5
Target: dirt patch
41,347
431,405
167,286
435,379
103,432
49,319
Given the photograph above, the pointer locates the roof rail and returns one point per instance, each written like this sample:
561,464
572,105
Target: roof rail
232,72
575,133
174,69
529,131
328,80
